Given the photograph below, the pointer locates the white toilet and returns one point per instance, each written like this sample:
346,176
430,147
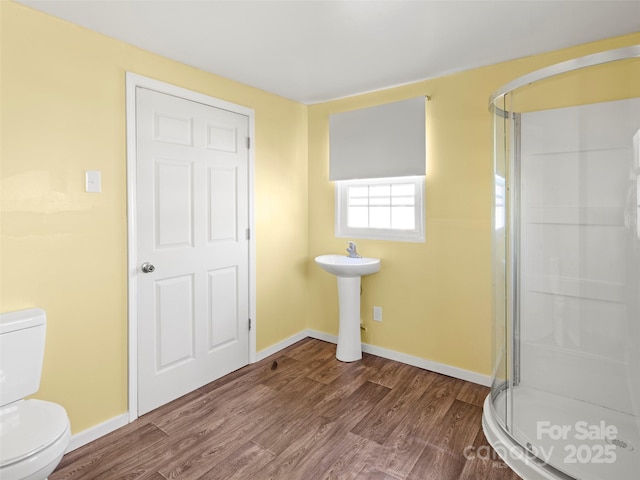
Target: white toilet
34,434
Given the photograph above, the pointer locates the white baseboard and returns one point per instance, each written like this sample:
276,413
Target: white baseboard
442,368
287,342
97,431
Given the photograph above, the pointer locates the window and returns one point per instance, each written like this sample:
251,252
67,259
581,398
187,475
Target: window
386,146
381,209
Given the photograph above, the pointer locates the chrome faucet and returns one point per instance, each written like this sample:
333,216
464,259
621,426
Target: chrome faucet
353,251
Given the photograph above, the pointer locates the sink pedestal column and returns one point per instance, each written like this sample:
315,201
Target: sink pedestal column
349,343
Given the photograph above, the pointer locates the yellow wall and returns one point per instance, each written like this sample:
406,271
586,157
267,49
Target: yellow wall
62,112
436,296
64,250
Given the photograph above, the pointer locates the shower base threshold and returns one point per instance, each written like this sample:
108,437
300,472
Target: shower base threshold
575,438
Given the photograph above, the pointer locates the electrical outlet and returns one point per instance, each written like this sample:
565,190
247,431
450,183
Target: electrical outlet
377,314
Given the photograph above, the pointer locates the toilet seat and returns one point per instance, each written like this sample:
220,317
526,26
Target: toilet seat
28,428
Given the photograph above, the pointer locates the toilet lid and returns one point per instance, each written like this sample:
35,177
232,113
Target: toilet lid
28,426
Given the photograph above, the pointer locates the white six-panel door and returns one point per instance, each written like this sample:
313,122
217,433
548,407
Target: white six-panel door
192,222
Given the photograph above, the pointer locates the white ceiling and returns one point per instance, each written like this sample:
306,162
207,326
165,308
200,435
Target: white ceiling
313,51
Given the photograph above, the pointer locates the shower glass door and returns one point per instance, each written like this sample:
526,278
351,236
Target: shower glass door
579,269
500,385
567,270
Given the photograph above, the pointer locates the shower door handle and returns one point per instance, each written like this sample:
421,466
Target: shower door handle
147,267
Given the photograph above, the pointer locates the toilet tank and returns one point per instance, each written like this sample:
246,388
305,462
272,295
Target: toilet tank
22,336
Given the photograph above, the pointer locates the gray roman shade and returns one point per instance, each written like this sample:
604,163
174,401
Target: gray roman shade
376,142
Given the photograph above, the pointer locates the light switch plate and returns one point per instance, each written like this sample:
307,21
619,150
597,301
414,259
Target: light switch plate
92,181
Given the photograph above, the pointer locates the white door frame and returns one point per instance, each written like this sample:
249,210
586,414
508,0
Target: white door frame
132,81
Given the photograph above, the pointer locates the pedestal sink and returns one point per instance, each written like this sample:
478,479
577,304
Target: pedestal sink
349,271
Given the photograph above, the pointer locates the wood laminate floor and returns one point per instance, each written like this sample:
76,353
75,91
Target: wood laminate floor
311,417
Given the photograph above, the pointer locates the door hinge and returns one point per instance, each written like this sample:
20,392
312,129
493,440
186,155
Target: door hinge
248,234
249,324
248,142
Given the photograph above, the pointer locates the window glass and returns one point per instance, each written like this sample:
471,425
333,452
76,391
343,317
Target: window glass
385,208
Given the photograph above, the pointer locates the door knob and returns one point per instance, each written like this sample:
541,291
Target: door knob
147,267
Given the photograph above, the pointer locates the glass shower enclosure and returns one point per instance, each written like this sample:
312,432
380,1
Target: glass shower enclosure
565,397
